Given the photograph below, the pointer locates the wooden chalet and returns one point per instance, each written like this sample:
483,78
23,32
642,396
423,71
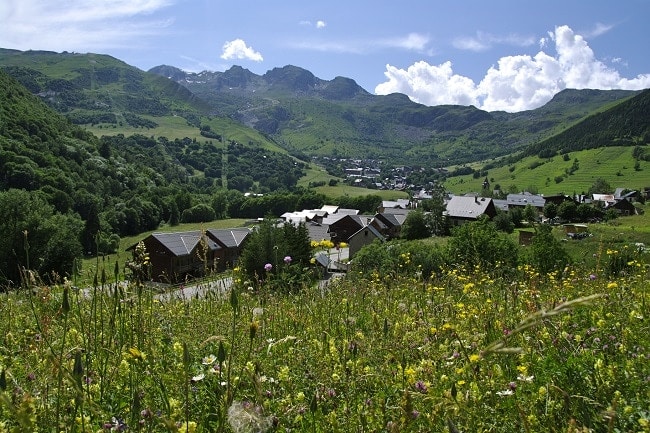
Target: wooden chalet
180,256
232,242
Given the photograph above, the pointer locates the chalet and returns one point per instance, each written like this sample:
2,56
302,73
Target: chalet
344,227
389,224
232,242
461,209
175,257
362,237
623,207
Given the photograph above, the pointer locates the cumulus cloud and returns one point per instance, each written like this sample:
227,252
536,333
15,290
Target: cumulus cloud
515,83
79,25
237,49
320,24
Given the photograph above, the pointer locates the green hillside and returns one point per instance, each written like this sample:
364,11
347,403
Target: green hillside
572,174
317,117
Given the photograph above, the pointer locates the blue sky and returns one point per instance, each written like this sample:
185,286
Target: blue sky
507,55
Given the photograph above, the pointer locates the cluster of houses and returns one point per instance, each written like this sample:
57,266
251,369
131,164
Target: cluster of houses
177,256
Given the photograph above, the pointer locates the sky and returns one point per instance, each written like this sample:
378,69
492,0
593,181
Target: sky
509,55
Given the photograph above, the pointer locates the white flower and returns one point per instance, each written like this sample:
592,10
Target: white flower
505,392
198,378
209,360
523,378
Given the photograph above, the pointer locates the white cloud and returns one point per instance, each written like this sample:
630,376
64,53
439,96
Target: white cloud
78,25
484,41
516,83
410,42
320,24
429,85
237,49
598,30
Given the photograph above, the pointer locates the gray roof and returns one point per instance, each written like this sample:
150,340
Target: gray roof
526,199
318,232
231,238
183,243
396,211
467,206
500,204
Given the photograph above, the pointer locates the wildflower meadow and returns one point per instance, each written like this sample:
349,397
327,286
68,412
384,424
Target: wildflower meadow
460,350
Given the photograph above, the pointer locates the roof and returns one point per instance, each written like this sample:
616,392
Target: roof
330,209
394,220
347,211
372,230
603,197
183,243
396,211
467,206
526,199
399,203
231,238
318,232
500,204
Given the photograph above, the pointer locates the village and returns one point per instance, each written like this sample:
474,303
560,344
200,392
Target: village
181,256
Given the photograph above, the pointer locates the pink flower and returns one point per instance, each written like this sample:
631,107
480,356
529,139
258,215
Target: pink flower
287,259
268,267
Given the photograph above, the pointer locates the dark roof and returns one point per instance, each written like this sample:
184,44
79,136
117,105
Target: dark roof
372,230
318,232
231,238
183,243
394,219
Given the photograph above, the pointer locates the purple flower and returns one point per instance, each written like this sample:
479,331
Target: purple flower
592,277
287,259
421,386
268,267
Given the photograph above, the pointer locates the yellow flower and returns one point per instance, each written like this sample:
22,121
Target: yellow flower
474,357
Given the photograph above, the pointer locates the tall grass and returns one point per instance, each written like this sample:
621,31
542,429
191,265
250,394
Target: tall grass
466,350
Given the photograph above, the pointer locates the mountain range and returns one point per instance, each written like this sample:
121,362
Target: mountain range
295,111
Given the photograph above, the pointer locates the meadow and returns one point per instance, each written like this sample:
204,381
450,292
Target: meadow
462,350
556,175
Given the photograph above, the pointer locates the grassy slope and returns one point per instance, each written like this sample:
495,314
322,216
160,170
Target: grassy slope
614,164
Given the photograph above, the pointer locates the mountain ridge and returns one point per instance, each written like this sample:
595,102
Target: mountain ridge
298,111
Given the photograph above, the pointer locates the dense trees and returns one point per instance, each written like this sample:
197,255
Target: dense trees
271,248
35,237
480,244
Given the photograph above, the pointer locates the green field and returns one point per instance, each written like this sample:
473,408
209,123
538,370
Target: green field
614,164
173,127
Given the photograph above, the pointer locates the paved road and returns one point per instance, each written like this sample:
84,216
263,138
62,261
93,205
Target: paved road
200,290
